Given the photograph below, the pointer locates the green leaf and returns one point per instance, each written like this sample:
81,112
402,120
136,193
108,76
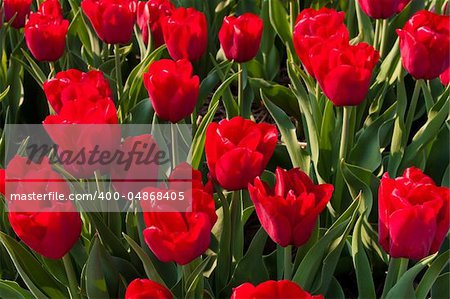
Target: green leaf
37,279
280,22
198,142
102,278
440,288
149,268
404,286
11,290
288,132
432,274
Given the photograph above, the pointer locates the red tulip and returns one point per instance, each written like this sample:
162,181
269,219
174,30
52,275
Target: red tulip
344,72
186,34
425,45
285,289
113,20
73,84
313,28
240,37
147,289
50,228
142,172
445,77
383,9
413,215
2,181
45,32
18,8
152,14
181,236
238,150
289,211
172,88
103,137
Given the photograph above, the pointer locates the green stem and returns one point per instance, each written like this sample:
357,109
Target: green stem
240,90
412,109
174,135
71,277
236,225
118,79
344,133
397,266
288,262
384,34
291,14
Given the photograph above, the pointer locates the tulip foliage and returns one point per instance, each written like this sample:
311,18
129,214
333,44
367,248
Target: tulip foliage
319,157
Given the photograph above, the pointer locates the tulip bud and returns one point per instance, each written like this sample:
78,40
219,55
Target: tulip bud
383,9
45,32
172,88
186,34
425,45
53,227
313,28
146,288
290,210
113,20
238,150
19,9
272,289
413,215
240,37
344,71
151,14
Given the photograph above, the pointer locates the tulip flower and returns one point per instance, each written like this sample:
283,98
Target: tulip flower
181,236
151,14
73,84
238,150
142,171
147,289
19,9
289,211
413,215
45,32
313,28
344,71
445,77
113,20
240,37
172,88
425,45
50,228
285,289
186,34
382,9
2,181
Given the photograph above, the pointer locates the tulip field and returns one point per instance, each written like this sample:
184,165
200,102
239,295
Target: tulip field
224,149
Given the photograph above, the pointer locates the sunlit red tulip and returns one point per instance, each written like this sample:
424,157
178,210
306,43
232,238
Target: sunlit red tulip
181,236
344,72
238,150
73,84
172,88
19,9
50,228
113,20
382,9
186,34
147,289
315,27
289,211
413,215
240,37
285,289
45,32
445,77
151,14
425,45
